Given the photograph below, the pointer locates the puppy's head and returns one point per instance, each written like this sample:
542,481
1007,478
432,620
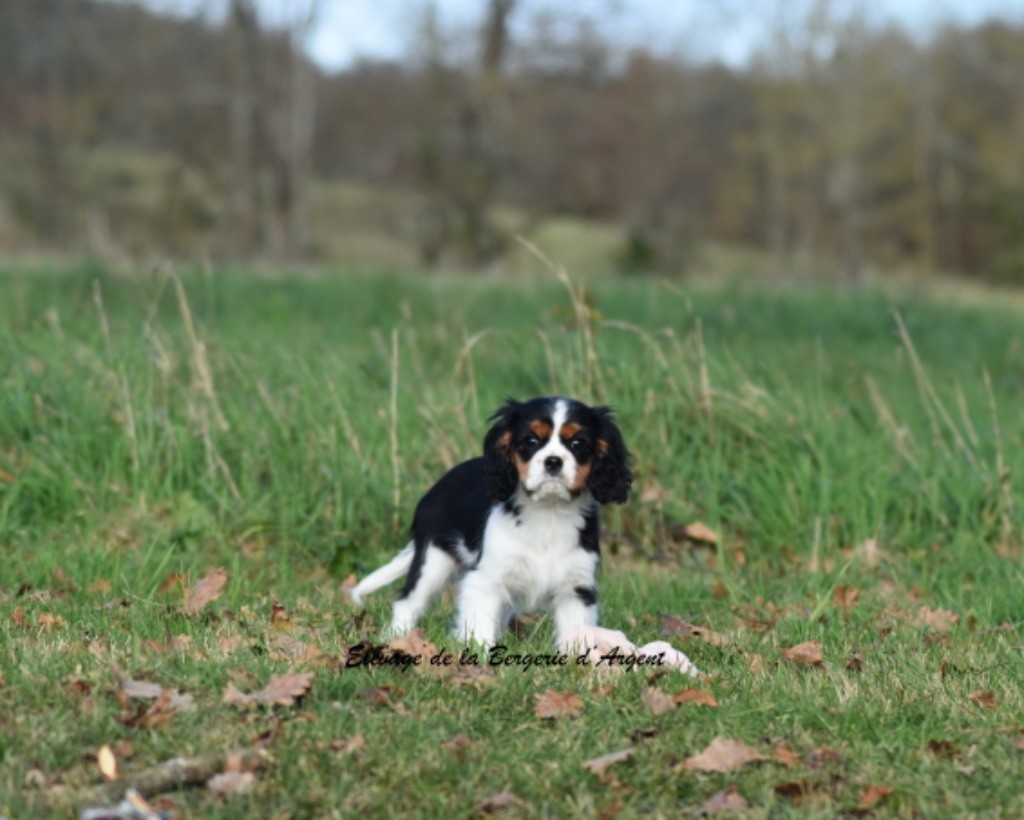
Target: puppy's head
556,449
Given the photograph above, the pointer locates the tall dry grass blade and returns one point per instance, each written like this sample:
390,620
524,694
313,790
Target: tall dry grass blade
121,379
930,398
465,360
594,385
202,375
902,439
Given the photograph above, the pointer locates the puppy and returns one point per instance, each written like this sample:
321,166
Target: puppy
519,525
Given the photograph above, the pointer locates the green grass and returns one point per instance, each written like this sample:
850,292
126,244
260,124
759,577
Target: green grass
260,424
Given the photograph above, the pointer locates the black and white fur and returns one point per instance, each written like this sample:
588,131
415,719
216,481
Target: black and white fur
519,525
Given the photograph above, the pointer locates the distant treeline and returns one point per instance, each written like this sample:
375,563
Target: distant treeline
848,148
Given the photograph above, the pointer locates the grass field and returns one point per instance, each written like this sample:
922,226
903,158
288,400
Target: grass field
858,453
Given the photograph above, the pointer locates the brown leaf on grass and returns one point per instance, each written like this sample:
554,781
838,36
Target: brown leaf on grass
855,663
173,581
873,795
206,590
869,553
986,699
49,621
723,755
726,800
283,690
146,690
458,745
159,714
288,648
941,620
227,784
823,756
698,696
279,619
346,587
942,748
380,698
786,756
808,653
796,790
551,705
19,618
499,802
1018,743
657,701
107,762
349,745
701,533
845,597
599,765
415,644
672,626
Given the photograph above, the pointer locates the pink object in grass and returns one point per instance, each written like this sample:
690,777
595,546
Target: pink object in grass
598,642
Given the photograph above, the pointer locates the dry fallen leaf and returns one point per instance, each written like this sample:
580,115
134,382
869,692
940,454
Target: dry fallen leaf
279,619
808,653
288,648
458,745
552,704
941,620
942,748
722,755
107,762
598,765
845,597
823,756
726,800
872,796
985,699
869,553
1018,743
657,701
229,783
207,589
350,583
415,644
283,690
499,801
786,756
698,696
349,745
701,533
159,714
672,626
146,690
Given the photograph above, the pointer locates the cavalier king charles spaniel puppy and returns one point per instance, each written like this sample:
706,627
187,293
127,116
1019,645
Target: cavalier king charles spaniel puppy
518,526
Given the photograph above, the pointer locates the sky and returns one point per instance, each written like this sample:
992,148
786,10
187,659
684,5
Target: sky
729,30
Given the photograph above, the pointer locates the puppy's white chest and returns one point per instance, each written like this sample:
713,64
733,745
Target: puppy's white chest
536,555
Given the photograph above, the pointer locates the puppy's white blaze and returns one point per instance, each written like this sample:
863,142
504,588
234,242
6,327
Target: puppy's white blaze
537,479
397,568
529,560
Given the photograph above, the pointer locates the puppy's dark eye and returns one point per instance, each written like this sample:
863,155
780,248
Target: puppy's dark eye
577,446
531,441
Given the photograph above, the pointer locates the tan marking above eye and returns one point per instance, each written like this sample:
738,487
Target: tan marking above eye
569,430
541,429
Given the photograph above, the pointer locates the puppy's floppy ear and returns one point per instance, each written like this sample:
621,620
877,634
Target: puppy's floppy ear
610,478
499,468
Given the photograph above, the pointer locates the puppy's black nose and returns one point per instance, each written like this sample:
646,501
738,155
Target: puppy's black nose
553,464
